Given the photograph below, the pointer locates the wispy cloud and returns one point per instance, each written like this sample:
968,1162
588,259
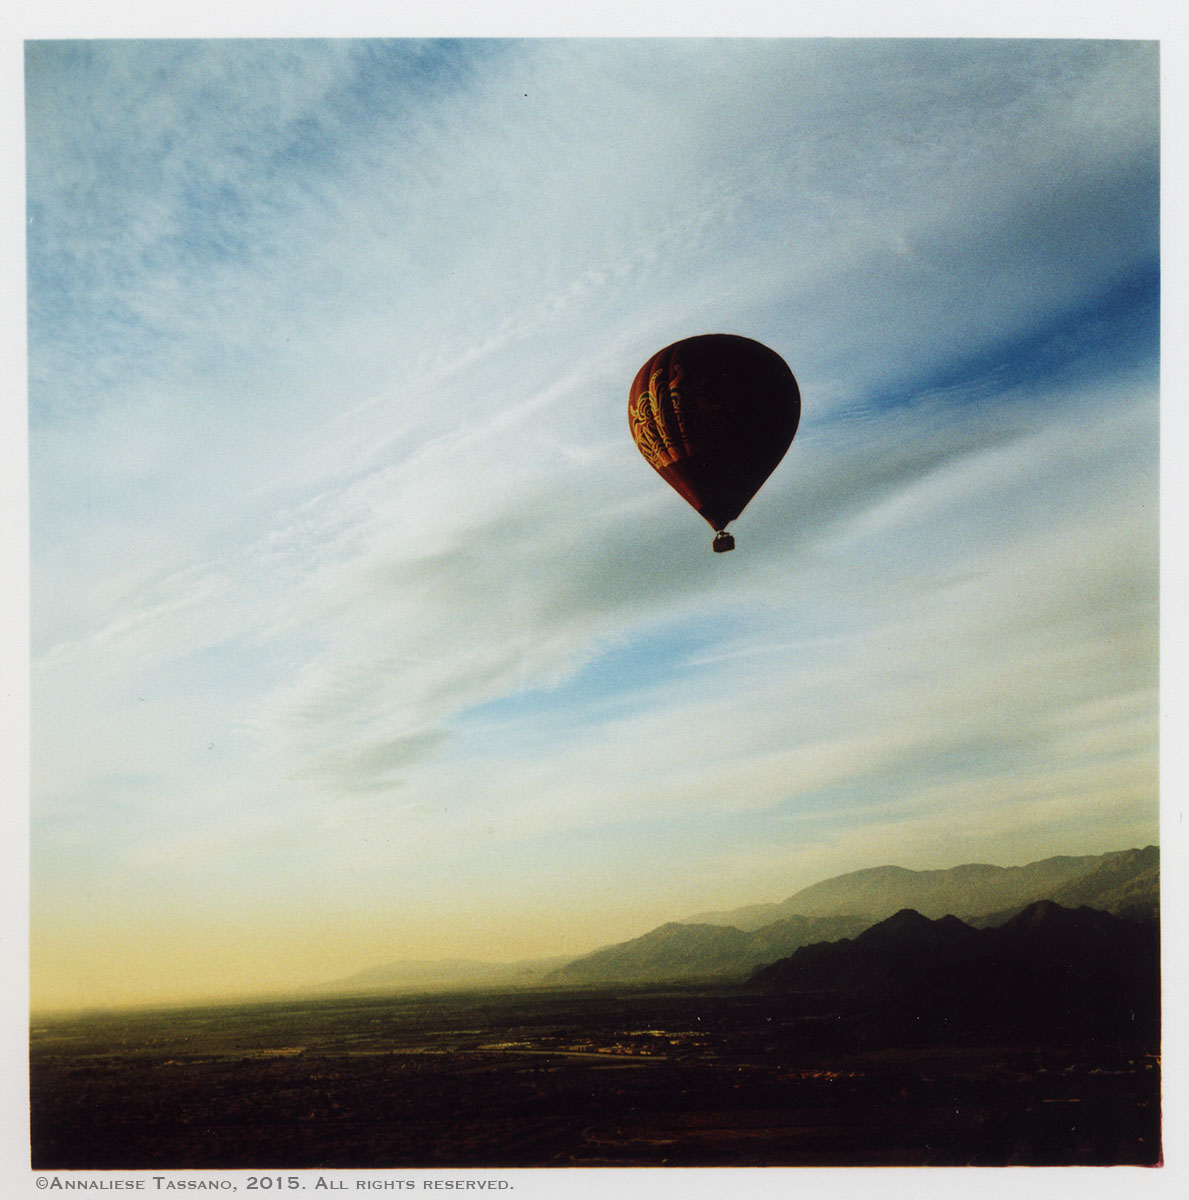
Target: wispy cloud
340,543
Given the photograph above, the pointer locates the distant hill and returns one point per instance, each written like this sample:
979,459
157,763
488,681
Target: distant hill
969,891
444,975
1049,968
1127,884
683,951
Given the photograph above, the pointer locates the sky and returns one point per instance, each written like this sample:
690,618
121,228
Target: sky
361,631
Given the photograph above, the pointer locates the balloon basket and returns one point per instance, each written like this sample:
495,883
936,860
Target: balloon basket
723,542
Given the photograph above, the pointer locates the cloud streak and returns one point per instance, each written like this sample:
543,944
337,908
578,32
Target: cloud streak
340,545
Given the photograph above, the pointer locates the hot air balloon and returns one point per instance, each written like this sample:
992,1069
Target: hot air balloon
714,414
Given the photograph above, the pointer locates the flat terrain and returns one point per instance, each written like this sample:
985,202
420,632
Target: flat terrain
653,1077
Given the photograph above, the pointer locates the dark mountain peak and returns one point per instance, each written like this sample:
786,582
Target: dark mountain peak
1048,963
1047,917
907,920
908,928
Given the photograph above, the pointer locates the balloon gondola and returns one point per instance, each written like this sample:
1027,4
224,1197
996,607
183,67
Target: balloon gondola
714,415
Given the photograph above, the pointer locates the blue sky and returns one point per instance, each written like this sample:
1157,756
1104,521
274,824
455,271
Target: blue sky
361,631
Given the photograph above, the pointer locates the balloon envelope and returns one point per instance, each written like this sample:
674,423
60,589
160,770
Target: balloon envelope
714,414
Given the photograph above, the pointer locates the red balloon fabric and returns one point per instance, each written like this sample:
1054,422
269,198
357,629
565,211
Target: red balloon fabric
714,415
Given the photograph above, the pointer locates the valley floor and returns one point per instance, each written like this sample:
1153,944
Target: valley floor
599,1078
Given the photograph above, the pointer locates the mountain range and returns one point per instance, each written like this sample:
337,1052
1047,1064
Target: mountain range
733,943
719,945
968,891
1049,968
678,950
